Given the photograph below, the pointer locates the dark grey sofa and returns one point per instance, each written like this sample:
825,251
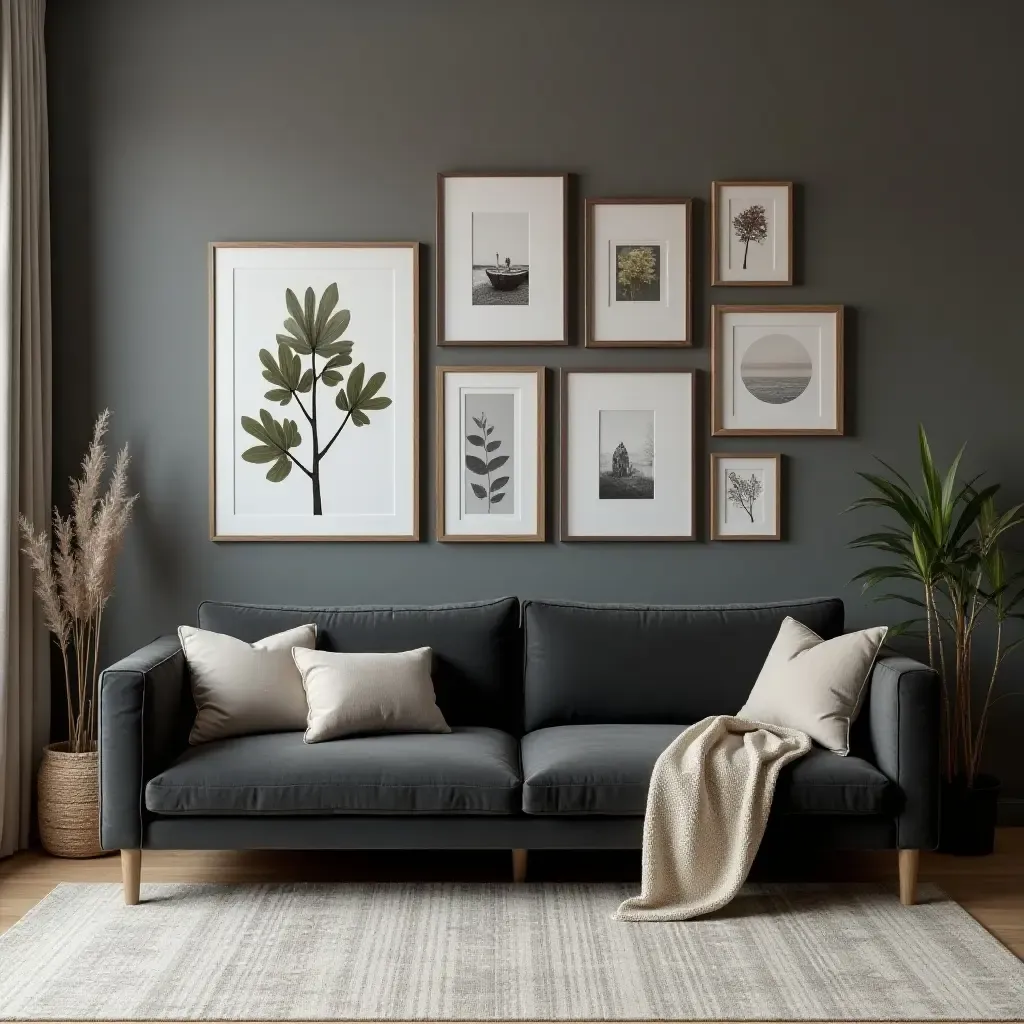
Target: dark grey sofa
558,713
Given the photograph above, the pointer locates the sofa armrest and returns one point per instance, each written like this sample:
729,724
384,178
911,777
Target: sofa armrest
904,726
143,724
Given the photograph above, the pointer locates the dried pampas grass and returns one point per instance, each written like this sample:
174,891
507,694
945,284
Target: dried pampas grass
75,575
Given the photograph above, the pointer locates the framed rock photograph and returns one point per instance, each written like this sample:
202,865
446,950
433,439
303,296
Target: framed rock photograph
746,502
502,259
490,453
627,468
314,391
776,370
638,272
751,233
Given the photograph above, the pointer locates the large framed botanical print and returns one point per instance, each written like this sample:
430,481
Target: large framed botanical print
314,391
752,233
627,454
638,272
490,453
776,370
502,259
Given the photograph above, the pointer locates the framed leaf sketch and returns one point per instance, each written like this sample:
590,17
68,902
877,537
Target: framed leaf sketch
776,370
746,502
638,273
314,391
627,454
490,453
502,261
751,233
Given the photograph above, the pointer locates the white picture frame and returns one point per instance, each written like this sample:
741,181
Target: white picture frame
777,370
490,445
638,272
746,496
627,466
263,486
751,233
521,298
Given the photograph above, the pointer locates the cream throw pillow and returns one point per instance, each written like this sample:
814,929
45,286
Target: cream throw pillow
349,694
814,685
242,688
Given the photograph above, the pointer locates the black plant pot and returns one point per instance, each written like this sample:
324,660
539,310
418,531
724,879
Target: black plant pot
968,817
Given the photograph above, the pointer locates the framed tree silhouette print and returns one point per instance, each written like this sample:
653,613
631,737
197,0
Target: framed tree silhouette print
313,391
751,233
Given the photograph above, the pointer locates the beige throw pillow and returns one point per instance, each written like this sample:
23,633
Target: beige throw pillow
349,694
242,688
814,685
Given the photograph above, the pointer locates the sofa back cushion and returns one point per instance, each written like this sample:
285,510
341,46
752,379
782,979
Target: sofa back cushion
477,647
592,664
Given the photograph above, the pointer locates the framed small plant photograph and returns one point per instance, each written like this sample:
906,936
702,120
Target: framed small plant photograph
490,453
776,370
746,501
752,233
502,259
314,395
627,454
638,272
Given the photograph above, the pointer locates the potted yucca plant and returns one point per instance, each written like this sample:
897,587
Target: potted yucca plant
947,539
74,573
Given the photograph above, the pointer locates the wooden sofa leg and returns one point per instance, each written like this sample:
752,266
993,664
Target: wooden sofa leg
909,862
518,865
131,875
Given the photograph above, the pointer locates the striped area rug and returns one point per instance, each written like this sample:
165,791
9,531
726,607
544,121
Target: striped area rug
452,952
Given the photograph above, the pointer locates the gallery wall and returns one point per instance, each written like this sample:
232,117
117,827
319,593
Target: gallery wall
176,124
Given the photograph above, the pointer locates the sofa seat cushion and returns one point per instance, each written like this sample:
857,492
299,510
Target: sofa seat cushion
467,771
606,769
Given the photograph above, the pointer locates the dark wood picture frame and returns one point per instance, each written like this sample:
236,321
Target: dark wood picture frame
563,442
212,397
717,430
716,458
716,280
589,264
442,339
439,456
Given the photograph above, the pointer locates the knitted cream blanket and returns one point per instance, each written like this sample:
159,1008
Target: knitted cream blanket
707,808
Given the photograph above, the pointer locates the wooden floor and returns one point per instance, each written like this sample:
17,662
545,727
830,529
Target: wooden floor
989,888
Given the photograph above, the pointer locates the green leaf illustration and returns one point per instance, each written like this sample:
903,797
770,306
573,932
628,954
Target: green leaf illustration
341,400
294,309
475,465
359,418
354,387
261,453
309,315
334,328
475,439
497,463
336,348
251,426
328,301
279,395
279,470
305,383
335,361
499,483
372,386
296,343
331,378
272,371
479,491
380,402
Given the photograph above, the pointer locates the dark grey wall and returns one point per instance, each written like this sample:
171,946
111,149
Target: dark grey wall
174,124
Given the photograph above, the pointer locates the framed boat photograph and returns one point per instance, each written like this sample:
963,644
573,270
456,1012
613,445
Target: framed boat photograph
627,458
752,233
502,259
490,453
638,272
746,496
314,401
776,370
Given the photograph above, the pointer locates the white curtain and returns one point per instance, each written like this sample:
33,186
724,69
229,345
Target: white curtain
25,373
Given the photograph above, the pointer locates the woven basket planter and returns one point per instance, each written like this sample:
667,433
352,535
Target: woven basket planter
69,802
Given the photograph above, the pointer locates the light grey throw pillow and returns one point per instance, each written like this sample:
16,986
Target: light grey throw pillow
242,688
352,694
814,685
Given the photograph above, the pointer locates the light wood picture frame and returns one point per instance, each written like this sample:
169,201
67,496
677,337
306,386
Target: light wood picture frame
755,493
281,361
777,371
638,267
490,443
751,213
627,454
523,297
